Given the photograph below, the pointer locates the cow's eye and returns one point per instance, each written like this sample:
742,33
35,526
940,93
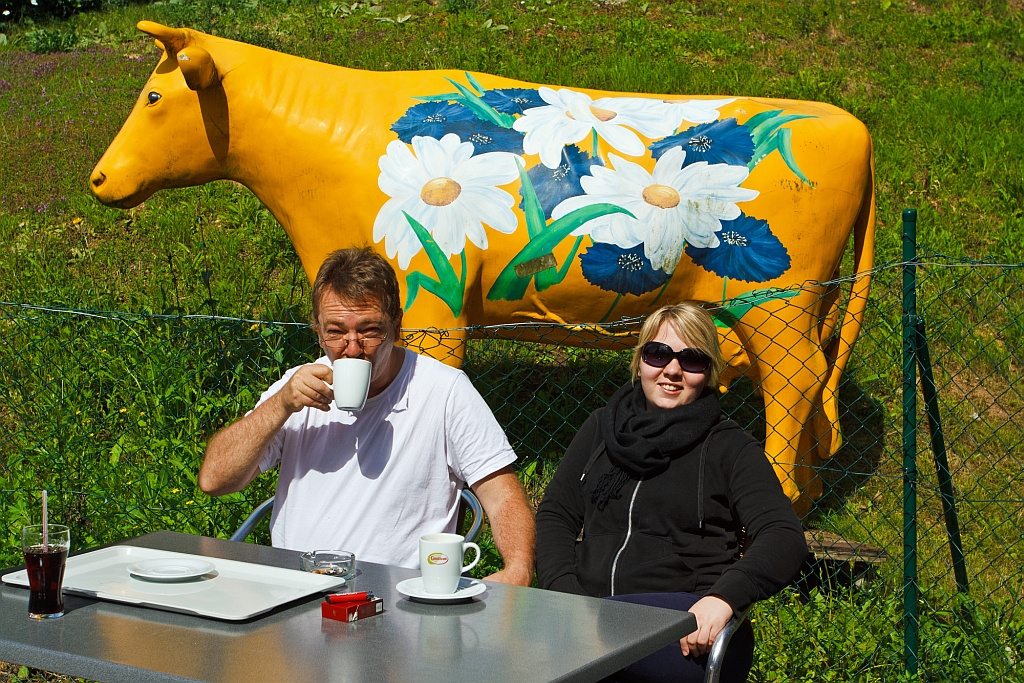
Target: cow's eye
154,97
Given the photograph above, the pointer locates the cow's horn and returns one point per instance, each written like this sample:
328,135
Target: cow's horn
197,66
171,39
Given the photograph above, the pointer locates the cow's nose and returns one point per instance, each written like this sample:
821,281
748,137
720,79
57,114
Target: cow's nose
97,178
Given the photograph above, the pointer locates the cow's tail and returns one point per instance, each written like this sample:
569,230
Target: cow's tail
830,436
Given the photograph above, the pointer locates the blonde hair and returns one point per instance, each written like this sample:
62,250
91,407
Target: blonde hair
692,323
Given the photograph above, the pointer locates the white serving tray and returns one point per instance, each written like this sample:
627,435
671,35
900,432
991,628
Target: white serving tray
233,590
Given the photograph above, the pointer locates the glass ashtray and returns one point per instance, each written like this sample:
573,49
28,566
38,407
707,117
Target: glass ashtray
330,562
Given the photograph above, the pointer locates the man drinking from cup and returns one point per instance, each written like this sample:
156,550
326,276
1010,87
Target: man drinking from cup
373,479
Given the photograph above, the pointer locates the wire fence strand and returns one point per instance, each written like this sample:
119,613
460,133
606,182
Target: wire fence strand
110,412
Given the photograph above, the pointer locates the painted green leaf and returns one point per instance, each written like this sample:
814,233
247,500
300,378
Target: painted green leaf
547,278
444,97
757,119
784,139
560,229
415,280
535,221
447,287
481,108
730,315
769,136
761,151
510,286
724,319
474,83
437,258
764,130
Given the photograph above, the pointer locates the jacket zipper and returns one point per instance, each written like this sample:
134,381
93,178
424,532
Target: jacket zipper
629,532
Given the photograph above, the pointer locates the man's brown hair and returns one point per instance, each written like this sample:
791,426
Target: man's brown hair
358,275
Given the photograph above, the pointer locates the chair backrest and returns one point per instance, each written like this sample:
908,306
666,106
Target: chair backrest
469,499
261,511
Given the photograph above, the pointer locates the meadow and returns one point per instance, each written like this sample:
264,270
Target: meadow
112,409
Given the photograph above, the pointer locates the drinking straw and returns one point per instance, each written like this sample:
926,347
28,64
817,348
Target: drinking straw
45,529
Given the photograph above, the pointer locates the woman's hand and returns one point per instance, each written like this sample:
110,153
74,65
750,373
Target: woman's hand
712,613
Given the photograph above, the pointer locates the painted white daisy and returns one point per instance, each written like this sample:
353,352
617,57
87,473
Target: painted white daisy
570,116
695,111
450,192
674,206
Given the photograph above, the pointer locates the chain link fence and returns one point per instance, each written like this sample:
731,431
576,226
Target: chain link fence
110,412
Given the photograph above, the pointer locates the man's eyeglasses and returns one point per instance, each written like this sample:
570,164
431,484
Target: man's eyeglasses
658,355
338,341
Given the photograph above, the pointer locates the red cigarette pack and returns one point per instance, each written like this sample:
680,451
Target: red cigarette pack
352,611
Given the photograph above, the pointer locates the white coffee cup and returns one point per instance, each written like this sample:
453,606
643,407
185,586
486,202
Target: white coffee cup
351,383
441,557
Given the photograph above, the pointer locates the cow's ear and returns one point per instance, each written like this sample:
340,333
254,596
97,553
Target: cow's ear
197,66
170,39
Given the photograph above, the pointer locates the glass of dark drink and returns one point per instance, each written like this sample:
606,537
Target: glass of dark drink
45,557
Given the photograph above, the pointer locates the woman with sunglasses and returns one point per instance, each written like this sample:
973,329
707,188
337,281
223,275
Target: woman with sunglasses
653,497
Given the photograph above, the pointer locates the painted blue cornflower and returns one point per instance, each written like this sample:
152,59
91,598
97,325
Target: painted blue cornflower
718,142
513,100
556,185
487,137
747,251
430,119
623,271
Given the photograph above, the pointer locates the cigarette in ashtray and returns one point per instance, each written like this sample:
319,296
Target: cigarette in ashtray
328,562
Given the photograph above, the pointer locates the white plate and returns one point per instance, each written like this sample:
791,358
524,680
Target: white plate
171,569
413,589
238,590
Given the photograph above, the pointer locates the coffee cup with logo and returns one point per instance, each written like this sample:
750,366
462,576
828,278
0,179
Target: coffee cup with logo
441,557
351,383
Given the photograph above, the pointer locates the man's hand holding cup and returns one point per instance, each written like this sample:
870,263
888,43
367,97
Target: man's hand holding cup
346,383
309,387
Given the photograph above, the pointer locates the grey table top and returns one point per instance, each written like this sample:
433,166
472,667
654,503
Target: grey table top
507,634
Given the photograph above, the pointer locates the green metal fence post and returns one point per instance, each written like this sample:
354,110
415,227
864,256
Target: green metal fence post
910,619
931,403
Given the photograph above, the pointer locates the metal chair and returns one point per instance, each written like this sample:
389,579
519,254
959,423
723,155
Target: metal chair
717,656
469,500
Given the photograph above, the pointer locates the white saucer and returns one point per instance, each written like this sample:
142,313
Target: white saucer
413,589
171,569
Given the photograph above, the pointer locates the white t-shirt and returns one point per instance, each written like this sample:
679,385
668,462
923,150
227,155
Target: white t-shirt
373,482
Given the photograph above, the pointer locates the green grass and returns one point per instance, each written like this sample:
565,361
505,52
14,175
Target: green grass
112,412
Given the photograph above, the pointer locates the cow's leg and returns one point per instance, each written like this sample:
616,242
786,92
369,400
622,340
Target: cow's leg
737,363
781,340
823,430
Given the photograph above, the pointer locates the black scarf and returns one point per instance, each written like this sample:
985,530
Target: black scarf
641,444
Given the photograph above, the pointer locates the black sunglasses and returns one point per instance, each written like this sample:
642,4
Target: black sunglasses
658,355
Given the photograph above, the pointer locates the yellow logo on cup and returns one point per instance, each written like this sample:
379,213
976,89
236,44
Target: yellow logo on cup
437,558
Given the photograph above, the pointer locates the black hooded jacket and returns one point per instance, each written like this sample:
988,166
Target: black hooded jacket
649,538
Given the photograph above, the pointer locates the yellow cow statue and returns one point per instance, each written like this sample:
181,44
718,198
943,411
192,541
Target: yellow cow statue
499,201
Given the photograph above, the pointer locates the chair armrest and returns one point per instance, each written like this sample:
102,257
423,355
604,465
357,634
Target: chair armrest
717,656
252,520
478,514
